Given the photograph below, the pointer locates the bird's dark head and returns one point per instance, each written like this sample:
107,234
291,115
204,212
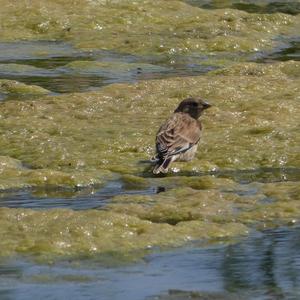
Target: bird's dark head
192,106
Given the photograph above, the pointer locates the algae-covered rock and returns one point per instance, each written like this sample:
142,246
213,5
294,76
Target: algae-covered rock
13,174
23,70
66,232
289,68
280,205
15,87
142,26
10,170
175,206
9,163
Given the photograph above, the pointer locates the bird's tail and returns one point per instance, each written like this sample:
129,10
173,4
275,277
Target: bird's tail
162,166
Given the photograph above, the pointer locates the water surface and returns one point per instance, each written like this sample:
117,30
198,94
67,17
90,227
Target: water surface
47,66
252,6
263,266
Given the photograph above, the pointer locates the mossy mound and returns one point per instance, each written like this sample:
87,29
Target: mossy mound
253,123
142,26
18,88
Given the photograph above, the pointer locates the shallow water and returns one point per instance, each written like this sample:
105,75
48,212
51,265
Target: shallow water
97,198
263,266
86,198
50,61
46,64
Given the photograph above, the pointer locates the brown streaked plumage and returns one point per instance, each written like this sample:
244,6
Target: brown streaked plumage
177,139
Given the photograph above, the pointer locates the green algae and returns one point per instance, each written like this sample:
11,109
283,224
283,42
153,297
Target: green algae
68,233
253,124
175,206
17,69
15,87
13,175
90,138
142,26
138,223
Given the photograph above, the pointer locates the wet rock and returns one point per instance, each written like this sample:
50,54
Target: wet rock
15,87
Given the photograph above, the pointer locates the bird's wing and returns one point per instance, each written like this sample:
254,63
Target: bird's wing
177,135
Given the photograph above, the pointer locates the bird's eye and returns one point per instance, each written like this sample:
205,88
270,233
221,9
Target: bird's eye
194,104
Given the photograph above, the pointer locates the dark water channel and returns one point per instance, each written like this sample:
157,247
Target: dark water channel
49,65
252,6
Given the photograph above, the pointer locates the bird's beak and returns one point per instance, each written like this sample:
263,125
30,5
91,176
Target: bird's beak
206,105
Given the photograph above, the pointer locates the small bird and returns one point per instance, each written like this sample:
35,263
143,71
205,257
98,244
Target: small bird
177,139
